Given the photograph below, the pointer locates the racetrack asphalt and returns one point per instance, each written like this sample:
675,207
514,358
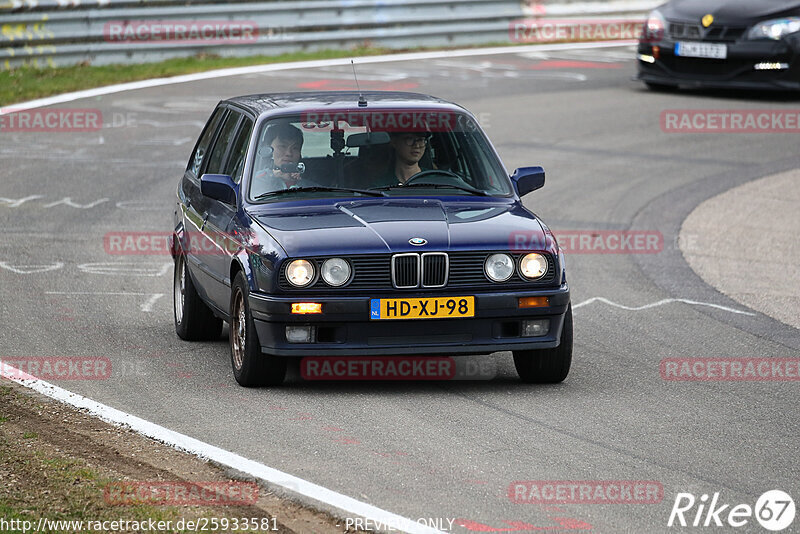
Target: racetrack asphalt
765,213
447,450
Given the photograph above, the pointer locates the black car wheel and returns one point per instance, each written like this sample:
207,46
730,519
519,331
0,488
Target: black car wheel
251,367
547,366
194,321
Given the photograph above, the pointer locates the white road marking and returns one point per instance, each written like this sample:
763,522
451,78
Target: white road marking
67,201
659,303
347,506
31,269
147,307
126,269
11,203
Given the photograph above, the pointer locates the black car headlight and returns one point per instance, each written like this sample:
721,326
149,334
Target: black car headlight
775,29
654,27
300,273
336,271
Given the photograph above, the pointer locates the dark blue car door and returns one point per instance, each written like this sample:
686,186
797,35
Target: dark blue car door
221,216
209,220
193,204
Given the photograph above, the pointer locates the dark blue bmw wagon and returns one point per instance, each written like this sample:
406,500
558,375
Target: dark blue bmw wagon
342,224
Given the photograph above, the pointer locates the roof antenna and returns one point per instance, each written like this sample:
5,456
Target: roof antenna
362,102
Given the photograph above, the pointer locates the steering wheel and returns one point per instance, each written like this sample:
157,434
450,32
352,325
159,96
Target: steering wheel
432,171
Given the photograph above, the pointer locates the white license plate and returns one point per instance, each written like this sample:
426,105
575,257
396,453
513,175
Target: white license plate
706,50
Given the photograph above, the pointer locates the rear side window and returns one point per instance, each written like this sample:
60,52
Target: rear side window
235,164
224,140
208,134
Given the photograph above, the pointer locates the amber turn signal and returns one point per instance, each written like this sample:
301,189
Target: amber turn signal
534,302
306,307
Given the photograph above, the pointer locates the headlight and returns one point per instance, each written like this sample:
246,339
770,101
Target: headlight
300,273
654,27
533,266
499,267
336,271
774,29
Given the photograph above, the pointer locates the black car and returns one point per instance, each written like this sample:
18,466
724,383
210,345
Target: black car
297,222
745,44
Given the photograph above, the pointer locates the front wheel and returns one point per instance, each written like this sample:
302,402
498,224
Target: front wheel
547,366
251,367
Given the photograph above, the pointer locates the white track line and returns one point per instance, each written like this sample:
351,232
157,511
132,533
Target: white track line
258,470
272,67
659,303
182,442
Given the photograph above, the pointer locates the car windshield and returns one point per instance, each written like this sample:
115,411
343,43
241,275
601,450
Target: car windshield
374,153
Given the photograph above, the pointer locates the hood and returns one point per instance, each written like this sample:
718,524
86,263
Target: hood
372,226
738,12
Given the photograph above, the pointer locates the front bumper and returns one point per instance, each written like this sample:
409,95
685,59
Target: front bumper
737,71
344,329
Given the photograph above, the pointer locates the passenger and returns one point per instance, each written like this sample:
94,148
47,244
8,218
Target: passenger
285,142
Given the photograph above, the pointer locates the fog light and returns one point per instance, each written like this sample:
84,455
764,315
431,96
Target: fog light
300,334
646,58
535,327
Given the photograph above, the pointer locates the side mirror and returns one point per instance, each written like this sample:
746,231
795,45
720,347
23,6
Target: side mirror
219,187
528,179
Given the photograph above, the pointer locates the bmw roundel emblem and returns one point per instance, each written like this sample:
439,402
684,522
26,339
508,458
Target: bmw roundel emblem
418,241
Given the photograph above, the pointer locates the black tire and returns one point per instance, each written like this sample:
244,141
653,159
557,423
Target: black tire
547,366
194,321
251,367
661,87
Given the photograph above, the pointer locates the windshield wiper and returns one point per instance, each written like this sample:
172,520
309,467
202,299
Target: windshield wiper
435,186
280,192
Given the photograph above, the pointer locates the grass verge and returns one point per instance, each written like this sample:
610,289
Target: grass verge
28,83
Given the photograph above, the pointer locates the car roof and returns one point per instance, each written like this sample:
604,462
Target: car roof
330,100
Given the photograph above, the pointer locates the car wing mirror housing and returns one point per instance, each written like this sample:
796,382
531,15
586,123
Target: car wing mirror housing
219,187
528,179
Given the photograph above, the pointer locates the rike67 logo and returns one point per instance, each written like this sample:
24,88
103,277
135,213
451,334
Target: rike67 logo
774,510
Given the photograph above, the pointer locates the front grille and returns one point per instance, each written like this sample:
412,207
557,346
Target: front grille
696,32
405,271
414,270
434,269
461,270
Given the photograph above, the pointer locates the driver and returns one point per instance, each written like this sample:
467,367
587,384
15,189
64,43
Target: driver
409,148
282,170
